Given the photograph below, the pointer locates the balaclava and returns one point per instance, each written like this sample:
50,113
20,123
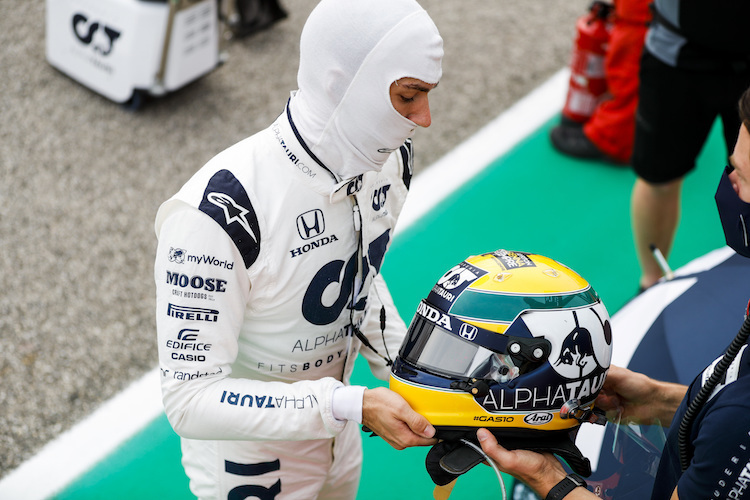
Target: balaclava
350,53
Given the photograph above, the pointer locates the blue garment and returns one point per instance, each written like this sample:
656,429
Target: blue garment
719,441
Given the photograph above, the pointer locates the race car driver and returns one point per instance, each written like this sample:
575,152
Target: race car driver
267,268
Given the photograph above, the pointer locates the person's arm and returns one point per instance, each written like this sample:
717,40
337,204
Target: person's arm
198,334
540,471
632,396
385,413
200,309
382,410
639,399
390,417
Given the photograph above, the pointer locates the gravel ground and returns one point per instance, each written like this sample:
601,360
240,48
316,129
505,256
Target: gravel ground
82,179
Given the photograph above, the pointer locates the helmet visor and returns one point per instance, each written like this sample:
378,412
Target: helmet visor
433,348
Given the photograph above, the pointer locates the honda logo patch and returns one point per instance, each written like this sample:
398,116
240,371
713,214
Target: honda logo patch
311,224
469,332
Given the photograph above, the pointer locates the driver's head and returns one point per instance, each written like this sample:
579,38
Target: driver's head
356,59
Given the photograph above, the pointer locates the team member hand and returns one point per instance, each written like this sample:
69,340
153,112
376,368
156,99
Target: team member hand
390,417
541,471
634,397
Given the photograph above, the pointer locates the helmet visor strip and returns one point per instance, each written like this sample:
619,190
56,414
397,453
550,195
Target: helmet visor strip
445,345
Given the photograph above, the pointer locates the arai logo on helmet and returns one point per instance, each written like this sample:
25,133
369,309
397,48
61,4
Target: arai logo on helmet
540,418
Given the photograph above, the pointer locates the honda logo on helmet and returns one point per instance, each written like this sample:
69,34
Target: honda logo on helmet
311,224
469,332
432,314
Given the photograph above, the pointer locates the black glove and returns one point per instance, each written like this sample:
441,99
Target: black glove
449,459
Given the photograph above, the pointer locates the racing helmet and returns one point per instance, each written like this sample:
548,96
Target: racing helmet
511,341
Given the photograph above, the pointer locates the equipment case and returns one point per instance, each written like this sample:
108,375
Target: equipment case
128,49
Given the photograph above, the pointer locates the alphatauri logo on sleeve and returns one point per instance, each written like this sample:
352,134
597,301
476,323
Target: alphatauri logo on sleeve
226,201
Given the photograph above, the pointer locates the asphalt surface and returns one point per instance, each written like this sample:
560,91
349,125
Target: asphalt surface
82,178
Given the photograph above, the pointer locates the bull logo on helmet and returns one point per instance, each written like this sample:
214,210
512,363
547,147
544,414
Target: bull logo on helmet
582,339
577,348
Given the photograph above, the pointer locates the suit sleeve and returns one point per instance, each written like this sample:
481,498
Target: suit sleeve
202,289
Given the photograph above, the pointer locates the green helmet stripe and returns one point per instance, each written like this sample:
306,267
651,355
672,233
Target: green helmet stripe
504,308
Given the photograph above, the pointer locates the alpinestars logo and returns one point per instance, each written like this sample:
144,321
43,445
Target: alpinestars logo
232,211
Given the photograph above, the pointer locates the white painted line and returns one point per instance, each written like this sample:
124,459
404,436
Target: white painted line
76,451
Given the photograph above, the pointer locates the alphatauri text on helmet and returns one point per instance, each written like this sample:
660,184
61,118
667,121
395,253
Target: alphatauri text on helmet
434,315
443,293
543,398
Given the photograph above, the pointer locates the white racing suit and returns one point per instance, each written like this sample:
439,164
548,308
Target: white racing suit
260,258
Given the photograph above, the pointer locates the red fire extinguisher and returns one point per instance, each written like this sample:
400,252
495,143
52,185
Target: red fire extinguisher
587,84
